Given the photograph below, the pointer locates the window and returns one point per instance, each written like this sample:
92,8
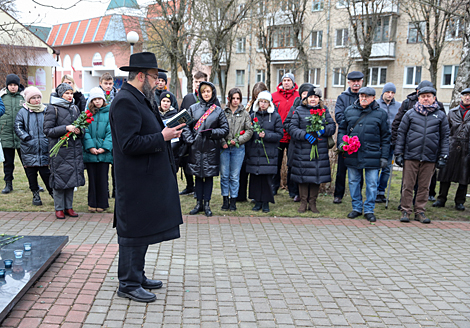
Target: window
414,35
261,43
317,5
261,8
455,29
287,5
341,3
283,37
382,30
281,72
339,77
342,37
316,39
449,74
240,80
377,76
241,45
412,75
216,78
314,76
260,75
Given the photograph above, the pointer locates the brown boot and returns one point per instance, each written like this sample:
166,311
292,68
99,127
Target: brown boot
303,193
314,189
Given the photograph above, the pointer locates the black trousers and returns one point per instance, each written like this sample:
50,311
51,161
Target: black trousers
98,184
243,184
204,188
112,180
32,175
277,176
131,264
9,164
187,174
432,185
460,195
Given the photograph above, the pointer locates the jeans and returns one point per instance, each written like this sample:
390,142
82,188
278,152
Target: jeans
385,175
355,176
231,160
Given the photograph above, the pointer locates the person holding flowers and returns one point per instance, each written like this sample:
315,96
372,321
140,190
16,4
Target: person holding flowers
262,151
365,120
67,165
233,152
97,151
310,127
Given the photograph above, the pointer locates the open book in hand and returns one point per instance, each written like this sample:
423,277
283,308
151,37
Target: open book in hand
180,118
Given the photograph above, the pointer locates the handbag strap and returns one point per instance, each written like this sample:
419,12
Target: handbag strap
358,120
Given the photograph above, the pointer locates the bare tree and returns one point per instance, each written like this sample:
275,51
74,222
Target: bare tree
432,19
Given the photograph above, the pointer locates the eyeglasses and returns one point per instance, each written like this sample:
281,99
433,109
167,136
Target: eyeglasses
153,76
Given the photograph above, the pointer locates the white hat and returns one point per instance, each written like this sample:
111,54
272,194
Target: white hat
266,96
96,92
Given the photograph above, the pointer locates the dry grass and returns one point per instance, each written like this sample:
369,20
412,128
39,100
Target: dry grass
21,200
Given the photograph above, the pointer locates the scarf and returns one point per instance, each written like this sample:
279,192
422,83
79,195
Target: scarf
34,108
203,117
425,110
464,109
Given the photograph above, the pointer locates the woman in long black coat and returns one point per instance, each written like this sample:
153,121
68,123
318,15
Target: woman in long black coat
204,136
67,167
310,173
261,170
78,97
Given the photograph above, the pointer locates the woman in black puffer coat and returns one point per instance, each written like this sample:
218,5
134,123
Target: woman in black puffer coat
309,174
78,97
204,136
261,171
67,167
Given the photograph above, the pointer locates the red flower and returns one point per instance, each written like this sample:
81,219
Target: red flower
255,120
92,119
89,114
68,134
312,111
87,111
242,132
108,92
88,120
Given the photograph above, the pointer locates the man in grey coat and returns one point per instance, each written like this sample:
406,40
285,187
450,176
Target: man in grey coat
388,103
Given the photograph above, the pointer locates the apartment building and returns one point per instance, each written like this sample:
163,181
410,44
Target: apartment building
398,53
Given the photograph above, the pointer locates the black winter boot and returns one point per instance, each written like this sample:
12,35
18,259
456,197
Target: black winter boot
198,208
8,187
233,202
36,198
225,203
207,208
265,207
257,206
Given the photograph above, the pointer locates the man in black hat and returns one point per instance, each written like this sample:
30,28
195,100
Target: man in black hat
345,99
422,144
147,208
161,86
458,164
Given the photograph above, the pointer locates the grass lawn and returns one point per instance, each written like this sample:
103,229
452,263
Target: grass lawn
21,200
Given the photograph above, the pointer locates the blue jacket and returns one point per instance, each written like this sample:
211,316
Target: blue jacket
2,107
345,99
373,133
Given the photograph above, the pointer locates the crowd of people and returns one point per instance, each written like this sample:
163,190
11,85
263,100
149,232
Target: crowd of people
238,141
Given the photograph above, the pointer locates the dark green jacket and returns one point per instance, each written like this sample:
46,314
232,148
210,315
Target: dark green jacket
98,135
13,103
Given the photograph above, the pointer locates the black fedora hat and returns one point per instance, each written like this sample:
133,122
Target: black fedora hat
142,60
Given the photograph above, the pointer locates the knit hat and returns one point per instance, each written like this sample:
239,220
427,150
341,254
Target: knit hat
289,76
389,87
13,78
266,96
164,94
30,92
305,87
314,92
61,88
162,75
367,91
96,92
424,83
427,90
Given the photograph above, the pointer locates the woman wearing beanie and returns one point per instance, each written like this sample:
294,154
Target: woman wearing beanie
262,151
78,97
67,167
29,127
310,173
167,111
97,151
204,136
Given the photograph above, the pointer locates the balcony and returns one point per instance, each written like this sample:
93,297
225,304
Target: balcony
284,55
380,51
375,7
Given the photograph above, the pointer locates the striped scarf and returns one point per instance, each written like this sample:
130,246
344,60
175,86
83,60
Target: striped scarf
203,117
425,110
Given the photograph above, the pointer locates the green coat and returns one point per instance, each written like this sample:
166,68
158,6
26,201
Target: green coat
98,135
13,103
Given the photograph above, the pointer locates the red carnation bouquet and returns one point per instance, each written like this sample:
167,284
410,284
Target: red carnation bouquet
257,128
81,122
237,144
349,144
316,125
108,96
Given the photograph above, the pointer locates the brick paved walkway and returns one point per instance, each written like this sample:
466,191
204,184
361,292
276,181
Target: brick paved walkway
256,272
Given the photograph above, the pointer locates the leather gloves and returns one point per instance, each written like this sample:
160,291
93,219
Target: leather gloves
442,161
311,139
383,163
399,160
206,133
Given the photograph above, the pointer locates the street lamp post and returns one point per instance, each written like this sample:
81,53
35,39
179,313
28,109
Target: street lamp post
132,38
